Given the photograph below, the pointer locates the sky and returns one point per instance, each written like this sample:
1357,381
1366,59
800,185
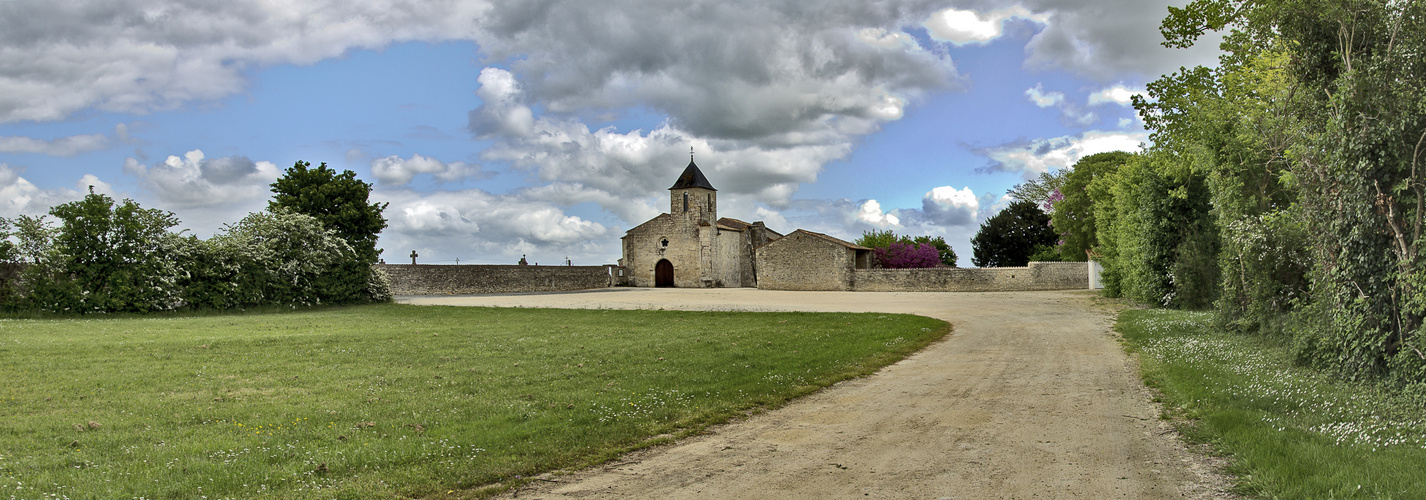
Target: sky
548,128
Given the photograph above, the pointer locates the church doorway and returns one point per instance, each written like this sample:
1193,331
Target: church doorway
663,273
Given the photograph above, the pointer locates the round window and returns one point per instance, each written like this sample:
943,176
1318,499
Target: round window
664,243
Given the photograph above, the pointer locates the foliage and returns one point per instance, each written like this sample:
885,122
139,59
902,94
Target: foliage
944,252
338,201
1072,215
1040,189
1011,236
1290,431
287,258
877,238
1156,233
881,240
1317,118
393,401
900,255
106,257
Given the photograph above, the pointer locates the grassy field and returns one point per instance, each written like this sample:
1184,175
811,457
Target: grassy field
392,400
1288,431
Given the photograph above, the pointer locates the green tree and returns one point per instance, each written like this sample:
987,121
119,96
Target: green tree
1073,217
877,238
107,257
1316,119
337,201
1011,236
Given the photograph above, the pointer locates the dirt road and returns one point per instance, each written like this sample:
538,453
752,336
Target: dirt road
1030,397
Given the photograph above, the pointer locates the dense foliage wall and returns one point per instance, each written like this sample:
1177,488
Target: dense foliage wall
101,256
1286,187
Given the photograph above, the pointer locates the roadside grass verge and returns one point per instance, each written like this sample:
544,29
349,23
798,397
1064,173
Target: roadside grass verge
393,400
1289,431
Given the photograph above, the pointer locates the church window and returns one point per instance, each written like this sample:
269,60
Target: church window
685,202
664,243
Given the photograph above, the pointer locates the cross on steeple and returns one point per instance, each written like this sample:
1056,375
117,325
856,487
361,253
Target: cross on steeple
413,257
690,154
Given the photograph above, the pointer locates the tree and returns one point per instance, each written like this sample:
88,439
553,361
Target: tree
1040,189
1010,237
881,240
107,257
1311,133
338,201
944,252
1073,215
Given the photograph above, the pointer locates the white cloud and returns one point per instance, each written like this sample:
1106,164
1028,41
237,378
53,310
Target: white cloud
1117,94
949,206
962,27
64,146
397,171
137,56
1044,99
19,196
870,213
195,181
1042,155
1105,39
479,227
637,164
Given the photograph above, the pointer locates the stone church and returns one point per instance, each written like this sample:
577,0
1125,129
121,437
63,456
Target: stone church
690,246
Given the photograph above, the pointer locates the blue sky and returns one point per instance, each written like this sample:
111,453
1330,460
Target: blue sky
548,128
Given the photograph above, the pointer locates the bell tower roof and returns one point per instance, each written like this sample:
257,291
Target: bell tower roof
692,177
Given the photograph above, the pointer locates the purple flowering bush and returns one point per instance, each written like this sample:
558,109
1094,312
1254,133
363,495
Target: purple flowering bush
900,255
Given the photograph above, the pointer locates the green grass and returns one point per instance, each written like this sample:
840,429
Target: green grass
1289,432
392,400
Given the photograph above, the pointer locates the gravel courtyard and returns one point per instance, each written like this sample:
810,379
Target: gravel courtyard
1030,396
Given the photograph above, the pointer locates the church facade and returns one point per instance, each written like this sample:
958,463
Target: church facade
690,246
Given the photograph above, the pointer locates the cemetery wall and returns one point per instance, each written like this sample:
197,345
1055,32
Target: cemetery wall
422,279
1036,276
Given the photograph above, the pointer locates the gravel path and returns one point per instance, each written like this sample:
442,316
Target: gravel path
1030,396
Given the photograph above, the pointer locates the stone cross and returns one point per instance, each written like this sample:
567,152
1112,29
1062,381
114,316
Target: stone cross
413,257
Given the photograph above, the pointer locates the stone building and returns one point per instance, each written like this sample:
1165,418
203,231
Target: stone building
806,260
690,246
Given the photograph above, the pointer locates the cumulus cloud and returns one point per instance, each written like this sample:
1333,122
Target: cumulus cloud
870,213
136,56
1070,114
64,146
195,181
479,227
963,27
949,206
634,164
1117,94
740,69
19,196
1044,99
398,171
1041,155
1104,39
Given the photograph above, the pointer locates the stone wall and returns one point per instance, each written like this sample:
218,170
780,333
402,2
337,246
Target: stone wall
424,279
801,261
1037,276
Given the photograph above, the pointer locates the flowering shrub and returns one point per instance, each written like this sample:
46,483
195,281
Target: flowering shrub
900,255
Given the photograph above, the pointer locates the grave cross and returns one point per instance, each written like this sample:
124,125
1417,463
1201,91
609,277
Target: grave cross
413,257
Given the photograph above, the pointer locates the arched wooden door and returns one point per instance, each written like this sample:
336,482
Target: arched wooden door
663,273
